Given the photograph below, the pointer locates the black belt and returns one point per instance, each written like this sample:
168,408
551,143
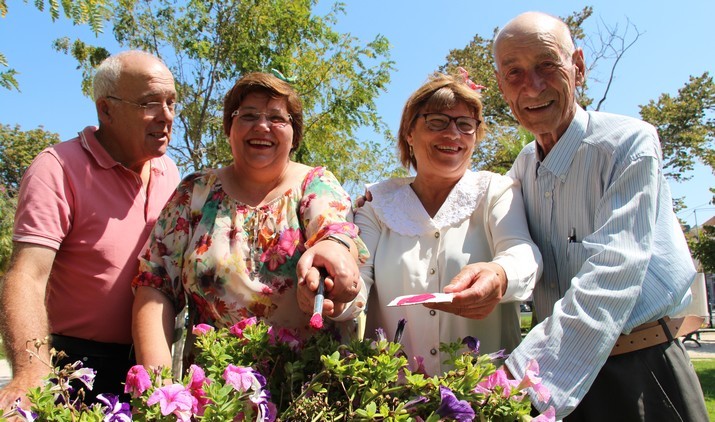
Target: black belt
79,346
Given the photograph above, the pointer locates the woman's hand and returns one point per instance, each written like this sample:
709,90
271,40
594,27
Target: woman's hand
477,289
342,284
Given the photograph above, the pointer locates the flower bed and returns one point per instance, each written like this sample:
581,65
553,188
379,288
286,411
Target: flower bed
254,372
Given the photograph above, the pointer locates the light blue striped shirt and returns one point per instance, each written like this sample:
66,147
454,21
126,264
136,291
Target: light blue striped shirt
614,255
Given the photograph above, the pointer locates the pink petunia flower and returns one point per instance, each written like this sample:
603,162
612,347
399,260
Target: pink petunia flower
201,329
241,378
532,380
237,328
283,335
137,381
174,399
548,416
497,379
198,376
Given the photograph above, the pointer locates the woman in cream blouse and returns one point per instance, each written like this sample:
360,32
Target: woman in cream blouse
447,229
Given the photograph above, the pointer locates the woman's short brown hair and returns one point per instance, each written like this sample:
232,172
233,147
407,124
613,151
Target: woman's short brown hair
440,92
264,83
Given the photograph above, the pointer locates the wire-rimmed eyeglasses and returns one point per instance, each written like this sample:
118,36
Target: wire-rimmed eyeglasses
251,117
440,121
152,108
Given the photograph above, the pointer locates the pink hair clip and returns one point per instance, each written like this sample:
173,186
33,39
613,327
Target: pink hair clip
468,81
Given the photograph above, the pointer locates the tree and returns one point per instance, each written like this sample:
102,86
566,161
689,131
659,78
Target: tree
505,137
92,12
685,126
208,44
17,150
703,249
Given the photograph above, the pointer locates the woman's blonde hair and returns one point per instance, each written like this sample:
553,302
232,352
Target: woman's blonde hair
440,92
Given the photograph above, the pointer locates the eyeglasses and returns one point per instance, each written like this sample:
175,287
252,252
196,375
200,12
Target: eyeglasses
249,118
152,108
440,121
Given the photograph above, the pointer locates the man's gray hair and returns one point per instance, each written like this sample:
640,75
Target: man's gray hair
108,72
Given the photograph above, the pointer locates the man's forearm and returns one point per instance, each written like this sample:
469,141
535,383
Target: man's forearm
24,324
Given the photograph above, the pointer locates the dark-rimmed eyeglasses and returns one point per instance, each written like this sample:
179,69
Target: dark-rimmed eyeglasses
251,117
440,121
152,108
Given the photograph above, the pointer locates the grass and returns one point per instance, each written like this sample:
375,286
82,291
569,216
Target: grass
705,368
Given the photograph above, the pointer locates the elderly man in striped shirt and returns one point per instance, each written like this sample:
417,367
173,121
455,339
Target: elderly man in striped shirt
616,264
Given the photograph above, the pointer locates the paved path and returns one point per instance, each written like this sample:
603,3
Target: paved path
706,350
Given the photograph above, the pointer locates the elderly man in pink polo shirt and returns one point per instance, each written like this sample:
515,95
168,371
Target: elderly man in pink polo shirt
85,210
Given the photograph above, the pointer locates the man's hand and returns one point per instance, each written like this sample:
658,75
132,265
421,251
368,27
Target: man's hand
342,284
360,200
17,389
477,289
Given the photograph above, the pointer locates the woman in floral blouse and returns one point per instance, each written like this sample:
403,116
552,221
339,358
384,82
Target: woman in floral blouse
248,239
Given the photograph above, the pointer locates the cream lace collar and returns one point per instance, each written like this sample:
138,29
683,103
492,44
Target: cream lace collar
398,207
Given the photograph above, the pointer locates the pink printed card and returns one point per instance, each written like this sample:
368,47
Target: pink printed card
421,298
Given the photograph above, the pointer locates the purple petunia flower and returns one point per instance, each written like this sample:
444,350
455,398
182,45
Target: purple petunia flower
472,343
26,415
380,334
414,402
85,375
452,407
116,411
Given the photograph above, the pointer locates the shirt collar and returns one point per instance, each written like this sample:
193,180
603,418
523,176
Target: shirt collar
561,155
101,156
96,150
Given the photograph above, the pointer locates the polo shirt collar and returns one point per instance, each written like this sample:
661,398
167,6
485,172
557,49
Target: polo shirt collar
562,154
101,156
96,150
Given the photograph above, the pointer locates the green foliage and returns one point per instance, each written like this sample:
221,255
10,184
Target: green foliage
7,77
703,248
209,44
17,150
685,125
252,371
81,12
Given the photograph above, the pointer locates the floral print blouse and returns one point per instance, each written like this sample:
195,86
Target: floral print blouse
233,261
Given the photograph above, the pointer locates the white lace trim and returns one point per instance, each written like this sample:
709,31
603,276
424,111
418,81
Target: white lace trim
399,208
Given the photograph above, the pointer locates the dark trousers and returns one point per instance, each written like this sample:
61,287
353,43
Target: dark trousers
653,384
110,361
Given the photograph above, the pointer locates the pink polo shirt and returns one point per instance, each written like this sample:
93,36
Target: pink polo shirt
94,212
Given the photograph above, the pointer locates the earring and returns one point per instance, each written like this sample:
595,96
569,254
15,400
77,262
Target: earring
412,152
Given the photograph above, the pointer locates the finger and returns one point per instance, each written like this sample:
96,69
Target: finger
462,281
305,263
312,276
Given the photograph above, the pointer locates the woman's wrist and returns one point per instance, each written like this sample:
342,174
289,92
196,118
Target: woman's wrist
344,241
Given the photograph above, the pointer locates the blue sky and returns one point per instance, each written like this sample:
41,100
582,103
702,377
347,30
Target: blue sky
675,43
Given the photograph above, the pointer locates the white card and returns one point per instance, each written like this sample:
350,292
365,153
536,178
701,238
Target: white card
421,298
